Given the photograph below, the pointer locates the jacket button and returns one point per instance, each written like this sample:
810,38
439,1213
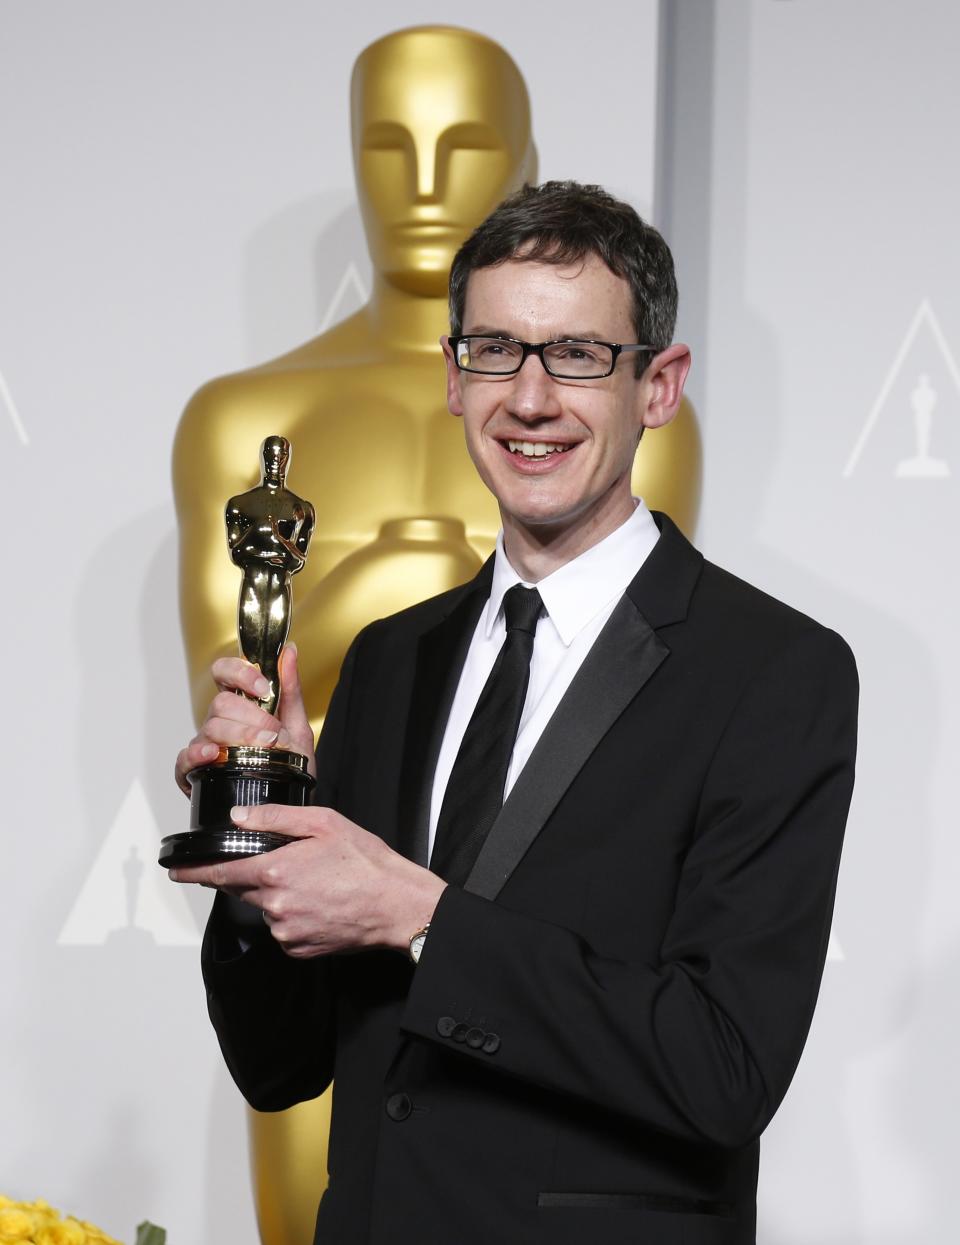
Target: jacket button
399,1107
474,1038
491,1043
446,1025
459,1033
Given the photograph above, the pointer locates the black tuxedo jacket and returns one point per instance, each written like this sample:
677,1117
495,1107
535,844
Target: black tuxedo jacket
608,1013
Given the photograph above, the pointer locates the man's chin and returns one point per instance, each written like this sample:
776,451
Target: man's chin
545,523
548,519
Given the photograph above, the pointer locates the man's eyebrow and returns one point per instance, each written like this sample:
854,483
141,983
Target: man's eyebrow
486,330
576,335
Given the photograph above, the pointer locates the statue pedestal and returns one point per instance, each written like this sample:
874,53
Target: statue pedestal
243,776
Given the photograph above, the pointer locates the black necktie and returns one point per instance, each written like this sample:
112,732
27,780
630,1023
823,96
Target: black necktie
474,793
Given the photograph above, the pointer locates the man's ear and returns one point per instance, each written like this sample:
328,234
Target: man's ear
454,402
663,382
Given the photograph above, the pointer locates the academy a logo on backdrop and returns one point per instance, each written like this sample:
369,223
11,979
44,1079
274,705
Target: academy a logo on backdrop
341,304
912,427
126,896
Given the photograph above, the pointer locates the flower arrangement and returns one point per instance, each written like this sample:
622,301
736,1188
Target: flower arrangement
37,1223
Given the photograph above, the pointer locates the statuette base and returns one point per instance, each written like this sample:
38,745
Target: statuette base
239,776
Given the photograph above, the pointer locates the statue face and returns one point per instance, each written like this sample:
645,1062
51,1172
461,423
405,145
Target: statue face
274,455
441,133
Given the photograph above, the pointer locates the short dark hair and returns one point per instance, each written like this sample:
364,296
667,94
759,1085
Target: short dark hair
562,223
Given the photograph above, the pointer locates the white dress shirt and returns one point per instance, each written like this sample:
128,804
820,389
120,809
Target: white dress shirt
578,598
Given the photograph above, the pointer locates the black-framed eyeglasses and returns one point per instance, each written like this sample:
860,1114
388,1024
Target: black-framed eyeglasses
566,358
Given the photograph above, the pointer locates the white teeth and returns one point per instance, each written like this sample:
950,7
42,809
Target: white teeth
535,449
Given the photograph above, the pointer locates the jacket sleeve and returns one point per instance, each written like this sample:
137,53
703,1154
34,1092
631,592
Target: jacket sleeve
275,1016
702,1043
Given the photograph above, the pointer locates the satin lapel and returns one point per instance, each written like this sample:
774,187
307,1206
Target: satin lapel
624,656
441,652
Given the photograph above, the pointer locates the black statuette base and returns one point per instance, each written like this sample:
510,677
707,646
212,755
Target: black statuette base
244,776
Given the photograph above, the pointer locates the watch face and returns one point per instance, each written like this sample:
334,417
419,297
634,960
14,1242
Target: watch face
416,946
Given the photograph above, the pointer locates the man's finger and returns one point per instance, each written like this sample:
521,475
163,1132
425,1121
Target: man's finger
300,823
199,751
231,733
233,674
291,710
234,708
229,875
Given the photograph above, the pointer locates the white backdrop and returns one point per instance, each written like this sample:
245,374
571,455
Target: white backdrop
812,197
176,201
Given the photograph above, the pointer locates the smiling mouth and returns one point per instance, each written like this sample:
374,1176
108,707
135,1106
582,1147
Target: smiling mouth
535,449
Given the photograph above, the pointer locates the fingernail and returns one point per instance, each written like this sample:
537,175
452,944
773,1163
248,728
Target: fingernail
293,648
209,750
239,813
262,686
267,737
172,875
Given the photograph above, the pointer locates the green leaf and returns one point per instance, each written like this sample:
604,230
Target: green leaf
150,1234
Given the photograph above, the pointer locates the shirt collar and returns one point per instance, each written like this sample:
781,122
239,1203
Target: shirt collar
576,592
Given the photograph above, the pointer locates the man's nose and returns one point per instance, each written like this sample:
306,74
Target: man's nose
533,392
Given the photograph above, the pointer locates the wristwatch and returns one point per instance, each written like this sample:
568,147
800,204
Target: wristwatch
416,943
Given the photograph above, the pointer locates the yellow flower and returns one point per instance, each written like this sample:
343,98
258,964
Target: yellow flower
43,1214
15,1224
66,1232
38,1223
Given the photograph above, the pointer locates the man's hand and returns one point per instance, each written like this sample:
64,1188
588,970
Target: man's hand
234,720
339,888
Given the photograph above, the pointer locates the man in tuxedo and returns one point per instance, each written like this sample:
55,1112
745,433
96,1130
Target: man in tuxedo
556,922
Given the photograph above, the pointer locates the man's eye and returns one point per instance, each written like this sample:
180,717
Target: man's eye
575,354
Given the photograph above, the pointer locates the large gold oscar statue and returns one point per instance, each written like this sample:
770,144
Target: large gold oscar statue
441,133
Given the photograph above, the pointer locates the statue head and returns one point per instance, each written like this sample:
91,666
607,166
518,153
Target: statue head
440,120
274,458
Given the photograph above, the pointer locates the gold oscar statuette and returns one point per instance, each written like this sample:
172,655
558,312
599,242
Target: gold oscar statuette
268,532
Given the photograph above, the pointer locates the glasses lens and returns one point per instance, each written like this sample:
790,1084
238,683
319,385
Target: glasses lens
578,359
489,354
